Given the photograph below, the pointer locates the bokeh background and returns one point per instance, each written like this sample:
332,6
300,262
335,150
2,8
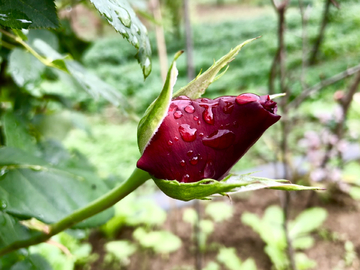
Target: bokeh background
309,49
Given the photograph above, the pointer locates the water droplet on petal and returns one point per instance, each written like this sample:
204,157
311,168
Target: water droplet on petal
185,178
246,98
176,139
169,142
196,118
187,133
201,134
194,160
182,163
208,171
228,108
220,139
178,114
208,113
189,109
190,153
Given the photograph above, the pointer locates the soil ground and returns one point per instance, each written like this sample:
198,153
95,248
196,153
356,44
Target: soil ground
341,224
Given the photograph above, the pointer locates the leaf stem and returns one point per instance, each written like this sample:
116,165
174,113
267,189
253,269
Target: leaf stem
137,178
18,39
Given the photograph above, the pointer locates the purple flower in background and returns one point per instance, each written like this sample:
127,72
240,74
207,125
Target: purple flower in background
204,138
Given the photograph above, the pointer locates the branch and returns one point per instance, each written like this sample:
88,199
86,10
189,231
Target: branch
345,102
43,60
137,178
320,36
309,91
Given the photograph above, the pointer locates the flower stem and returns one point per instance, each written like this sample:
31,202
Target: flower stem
137,178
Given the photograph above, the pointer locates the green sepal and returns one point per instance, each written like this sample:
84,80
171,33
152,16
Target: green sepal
198,86
156,112
205,188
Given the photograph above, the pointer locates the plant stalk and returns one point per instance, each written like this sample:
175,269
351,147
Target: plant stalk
137,178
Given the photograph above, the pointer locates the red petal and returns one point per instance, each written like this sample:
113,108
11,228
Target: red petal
208,138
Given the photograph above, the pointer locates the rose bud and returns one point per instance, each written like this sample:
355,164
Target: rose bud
203,138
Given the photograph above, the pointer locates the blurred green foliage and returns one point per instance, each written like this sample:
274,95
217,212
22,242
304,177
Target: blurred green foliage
271,230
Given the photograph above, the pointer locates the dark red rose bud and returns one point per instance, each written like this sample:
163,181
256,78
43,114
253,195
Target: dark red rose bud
204,138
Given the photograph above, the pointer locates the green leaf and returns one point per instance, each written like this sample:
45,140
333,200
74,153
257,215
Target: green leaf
119,251
47,193
303,262
93,84
219,211
45,43
32,262
212,266
307,221
190,216
249,264
229,258
160,241
12,230
232,184
156,112
17,134
198,86
25,69
123,18
304,242
21,14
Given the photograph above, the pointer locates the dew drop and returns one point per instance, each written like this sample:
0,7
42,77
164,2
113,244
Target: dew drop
187,133
176,139
147,62
3,204
123,16
220,139
135,42
228,108
201,134
136,29
190,153
194,160
178,114
3,171
208,113
182,163
208,171
169,142
189,109
246,98
196,118
185,178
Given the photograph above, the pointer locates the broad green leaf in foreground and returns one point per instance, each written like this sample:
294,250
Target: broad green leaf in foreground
156,112
16,133
198,86
29,187
123,18
12,230
20,14
233,184
32,262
